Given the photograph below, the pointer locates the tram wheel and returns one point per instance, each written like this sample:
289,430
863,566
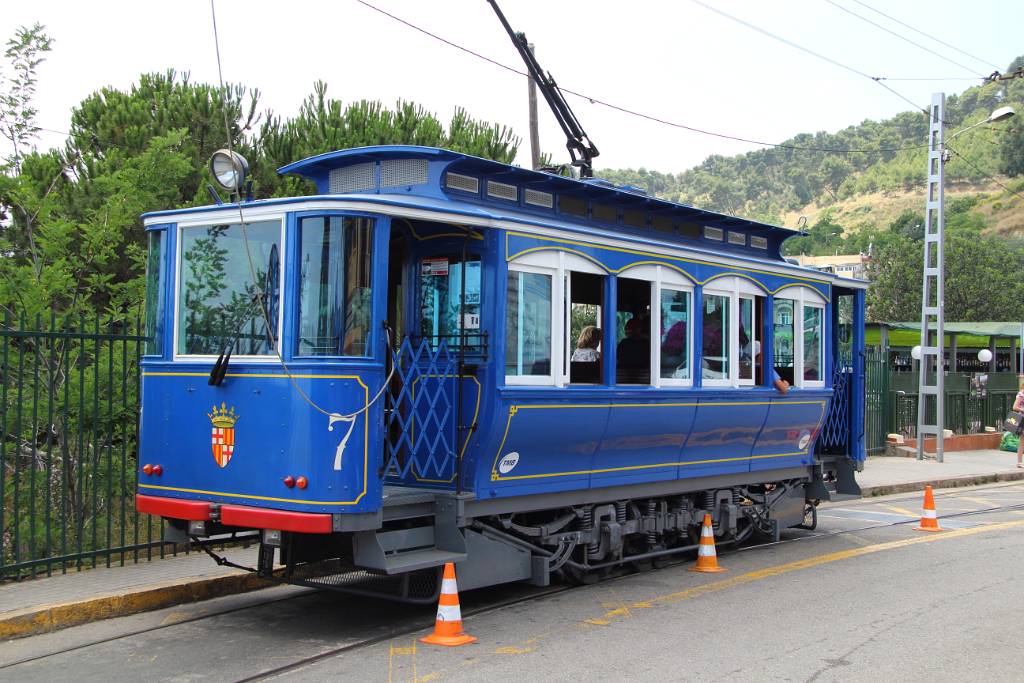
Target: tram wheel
582,577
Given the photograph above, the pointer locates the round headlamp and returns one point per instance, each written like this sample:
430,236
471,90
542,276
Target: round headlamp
229,169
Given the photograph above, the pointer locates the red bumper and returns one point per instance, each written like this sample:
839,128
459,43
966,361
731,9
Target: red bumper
236,515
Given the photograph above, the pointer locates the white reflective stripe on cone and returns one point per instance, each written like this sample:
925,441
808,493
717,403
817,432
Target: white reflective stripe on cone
448,613
706,532
928,514
449,587
706,551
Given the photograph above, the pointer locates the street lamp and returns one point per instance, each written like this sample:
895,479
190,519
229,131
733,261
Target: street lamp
932,295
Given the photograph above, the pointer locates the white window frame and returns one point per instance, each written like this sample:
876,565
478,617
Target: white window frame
733,288
557,265
805,297
663,277
179,299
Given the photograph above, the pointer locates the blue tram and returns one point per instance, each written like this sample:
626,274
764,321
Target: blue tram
439,358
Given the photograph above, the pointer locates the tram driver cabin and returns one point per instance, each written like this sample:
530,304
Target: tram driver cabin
458,290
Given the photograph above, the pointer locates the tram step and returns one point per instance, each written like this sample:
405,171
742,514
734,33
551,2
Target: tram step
405,550
419,559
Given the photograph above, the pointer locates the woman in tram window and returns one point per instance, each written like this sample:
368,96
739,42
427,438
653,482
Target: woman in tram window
587,345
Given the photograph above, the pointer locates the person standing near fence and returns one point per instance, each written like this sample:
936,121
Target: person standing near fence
1018,406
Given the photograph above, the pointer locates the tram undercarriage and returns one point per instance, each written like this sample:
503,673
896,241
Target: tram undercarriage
585,542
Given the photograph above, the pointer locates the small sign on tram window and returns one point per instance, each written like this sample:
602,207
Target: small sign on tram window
471,321
435,266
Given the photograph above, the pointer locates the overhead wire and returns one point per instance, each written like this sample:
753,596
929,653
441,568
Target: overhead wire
818,55
983,173
262,295
638,114
926,35
901,37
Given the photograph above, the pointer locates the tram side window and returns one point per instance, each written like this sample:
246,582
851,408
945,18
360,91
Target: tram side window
784,336
528,324
585,343
675,334
335,259
715,342
633,348
218,298
440,300
813,331
155,281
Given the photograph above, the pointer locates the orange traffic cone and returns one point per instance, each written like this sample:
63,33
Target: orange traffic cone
928,520
707,559
448,627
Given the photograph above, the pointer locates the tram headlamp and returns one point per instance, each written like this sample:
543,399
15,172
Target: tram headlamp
229,169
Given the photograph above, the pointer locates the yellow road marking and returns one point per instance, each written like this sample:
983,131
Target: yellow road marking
979,501
819,560
902,511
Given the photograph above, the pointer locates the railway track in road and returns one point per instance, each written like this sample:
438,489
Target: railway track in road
417,623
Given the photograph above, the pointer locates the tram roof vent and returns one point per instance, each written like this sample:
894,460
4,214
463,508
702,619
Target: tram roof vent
355,178
537,198
502,191
399,172
466,183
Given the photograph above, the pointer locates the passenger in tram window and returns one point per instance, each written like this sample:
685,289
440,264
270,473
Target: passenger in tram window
633,351
587,345
780,384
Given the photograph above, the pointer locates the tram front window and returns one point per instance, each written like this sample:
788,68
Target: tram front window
440,300
528,325
219,300
335,258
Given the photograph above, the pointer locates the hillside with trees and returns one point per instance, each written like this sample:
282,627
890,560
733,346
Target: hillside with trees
872,201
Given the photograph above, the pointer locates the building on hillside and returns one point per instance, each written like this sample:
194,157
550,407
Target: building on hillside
843,265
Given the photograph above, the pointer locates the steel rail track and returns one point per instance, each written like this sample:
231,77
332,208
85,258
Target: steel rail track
484,609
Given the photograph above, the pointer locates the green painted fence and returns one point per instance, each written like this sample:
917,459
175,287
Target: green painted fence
69,408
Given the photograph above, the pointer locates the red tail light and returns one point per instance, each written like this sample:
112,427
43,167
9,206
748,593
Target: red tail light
158,470
147,469
289,481
301,482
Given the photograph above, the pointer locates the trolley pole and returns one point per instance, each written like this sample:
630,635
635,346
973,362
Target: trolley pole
531,91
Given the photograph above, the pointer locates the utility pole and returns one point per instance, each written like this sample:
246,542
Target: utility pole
534,131
932,295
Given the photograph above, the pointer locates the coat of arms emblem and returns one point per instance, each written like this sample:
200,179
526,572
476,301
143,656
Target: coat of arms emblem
222,436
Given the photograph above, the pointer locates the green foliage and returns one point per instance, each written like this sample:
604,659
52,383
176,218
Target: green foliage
891,156
17,112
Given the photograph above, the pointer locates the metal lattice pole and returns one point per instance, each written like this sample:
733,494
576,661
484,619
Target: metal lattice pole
932,299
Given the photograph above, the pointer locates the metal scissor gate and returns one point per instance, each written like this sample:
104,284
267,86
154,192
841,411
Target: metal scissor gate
420,414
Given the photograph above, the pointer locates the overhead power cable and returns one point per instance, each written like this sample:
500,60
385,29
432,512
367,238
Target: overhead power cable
809,51
926,35
901,37
984,175
631,112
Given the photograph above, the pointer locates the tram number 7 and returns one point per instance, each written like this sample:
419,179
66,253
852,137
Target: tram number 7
340,450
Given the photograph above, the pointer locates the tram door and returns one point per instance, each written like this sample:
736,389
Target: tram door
424,300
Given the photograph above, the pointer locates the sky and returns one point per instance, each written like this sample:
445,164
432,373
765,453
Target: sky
678,61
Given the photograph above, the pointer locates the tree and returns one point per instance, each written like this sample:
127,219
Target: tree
17,111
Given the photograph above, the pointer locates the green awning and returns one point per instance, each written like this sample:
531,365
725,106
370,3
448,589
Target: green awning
984,329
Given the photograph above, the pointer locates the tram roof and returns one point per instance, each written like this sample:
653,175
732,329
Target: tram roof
429,172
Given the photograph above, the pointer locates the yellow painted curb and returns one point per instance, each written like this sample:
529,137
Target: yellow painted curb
46,618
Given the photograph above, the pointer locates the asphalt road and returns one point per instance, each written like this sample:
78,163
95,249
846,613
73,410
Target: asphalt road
864,597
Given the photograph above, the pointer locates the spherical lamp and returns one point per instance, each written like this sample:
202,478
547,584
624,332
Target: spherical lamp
915,353
985,355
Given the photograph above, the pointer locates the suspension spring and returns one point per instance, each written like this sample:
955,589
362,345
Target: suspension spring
594,547
620,512
652,535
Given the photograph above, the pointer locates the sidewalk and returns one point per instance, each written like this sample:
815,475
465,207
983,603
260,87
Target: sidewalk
884,475
63,600
50,604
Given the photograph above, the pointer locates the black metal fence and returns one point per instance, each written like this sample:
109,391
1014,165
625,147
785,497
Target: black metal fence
69,409
891,401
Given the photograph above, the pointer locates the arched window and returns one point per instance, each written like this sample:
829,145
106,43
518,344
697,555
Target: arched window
799,334
731,322
657,348
551,297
